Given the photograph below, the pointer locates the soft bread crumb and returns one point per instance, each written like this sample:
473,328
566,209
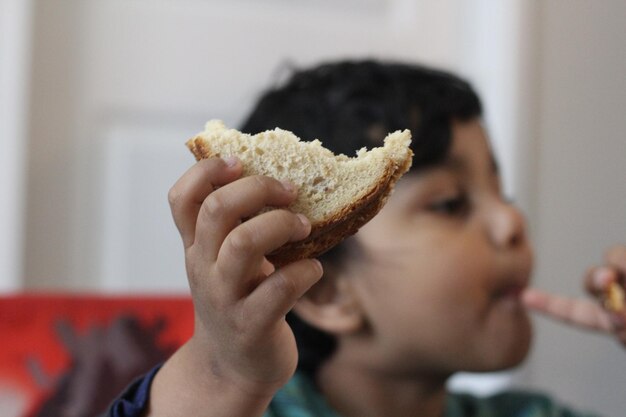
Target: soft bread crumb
326,182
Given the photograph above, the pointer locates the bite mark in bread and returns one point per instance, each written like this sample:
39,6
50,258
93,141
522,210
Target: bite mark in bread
337,193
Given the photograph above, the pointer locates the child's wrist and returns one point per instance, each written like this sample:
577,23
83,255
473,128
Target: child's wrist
186,386
216,374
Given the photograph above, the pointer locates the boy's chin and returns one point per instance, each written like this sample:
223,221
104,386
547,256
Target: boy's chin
511,356
513,361
501,364
506,353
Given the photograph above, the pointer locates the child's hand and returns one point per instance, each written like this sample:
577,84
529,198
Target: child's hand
604,313
242,347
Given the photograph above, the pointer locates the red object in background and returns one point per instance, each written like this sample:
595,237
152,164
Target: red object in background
30,344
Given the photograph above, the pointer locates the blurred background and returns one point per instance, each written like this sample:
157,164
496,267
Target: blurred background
98,97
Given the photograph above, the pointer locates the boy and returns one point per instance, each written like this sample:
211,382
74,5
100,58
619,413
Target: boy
436,283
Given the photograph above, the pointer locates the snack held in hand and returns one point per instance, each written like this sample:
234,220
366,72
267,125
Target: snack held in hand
615,298
338,194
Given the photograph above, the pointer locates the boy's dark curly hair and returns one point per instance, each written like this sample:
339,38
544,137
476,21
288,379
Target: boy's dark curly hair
353,104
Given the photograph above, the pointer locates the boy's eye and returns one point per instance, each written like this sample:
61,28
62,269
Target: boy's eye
458,205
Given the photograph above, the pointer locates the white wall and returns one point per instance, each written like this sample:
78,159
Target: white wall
15,34
581,195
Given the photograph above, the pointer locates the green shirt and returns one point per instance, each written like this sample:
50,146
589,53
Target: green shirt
299,398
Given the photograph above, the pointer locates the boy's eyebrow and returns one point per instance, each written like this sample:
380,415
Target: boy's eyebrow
459,165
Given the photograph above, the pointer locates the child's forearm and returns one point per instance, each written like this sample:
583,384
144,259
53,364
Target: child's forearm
182,388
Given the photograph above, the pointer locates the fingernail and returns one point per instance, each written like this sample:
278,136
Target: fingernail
305,222
231,161
288,185
318,265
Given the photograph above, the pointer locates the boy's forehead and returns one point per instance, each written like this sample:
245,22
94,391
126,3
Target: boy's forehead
469,153
470,149
462,164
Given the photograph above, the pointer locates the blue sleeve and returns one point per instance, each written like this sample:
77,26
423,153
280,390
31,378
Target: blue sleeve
134,400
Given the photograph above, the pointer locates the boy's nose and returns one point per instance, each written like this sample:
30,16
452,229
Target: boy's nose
507,226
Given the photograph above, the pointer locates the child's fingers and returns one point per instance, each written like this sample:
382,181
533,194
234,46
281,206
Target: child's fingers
224,209
583,313
598,279
190,191
243,250
606,283
277,294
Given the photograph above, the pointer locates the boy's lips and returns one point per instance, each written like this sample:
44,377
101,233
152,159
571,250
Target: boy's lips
513,286
509,296
512,291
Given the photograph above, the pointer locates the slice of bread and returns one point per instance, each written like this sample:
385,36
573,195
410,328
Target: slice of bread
338,194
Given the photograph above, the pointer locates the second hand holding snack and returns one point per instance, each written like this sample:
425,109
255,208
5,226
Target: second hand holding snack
606,313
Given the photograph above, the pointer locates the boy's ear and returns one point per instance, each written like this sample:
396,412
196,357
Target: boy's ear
331,306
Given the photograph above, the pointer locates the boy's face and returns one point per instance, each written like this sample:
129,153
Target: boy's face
446,261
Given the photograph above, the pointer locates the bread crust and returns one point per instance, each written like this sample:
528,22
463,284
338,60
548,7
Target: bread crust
331,231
